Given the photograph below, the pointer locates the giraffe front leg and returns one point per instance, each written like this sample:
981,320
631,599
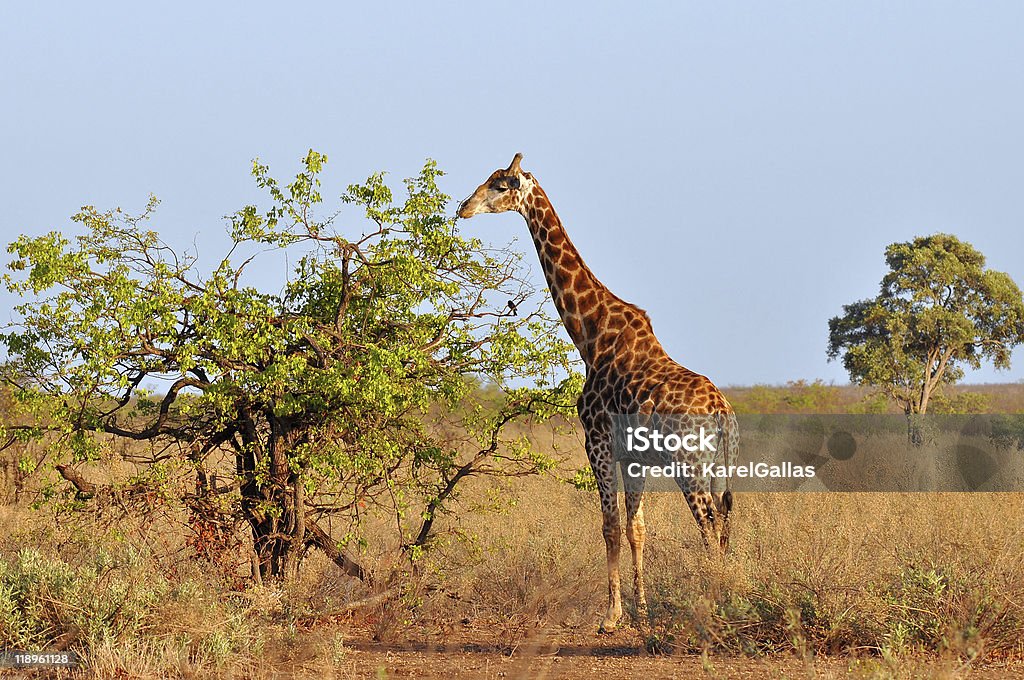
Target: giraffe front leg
612,538
636,530
599,451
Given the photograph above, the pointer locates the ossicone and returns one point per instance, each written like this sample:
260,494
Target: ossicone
514,167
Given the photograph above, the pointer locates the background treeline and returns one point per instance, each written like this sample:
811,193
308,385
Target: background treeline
801,396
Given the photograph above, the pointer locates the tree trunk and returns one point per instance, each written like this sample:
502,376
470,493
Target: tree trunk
922,404
272,533
915,432
273,508
916,418
276,510
271,512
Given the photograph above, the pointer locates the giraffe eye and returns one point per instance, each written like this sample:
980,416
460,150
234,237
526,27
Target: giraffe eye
505,184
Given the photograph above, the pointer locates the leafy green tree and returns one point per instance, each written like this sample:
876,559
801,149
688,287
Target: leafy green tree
346,391
939,310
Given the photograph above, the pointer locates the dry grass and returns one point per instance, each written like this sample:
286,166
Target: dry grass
862,574
878,573
886,581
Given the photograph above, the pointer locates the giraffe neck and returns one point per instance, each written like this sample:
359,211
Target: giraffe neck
580,298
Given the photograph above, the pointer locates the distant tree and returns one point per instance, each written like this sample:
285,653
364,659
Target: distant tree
330,395
939,310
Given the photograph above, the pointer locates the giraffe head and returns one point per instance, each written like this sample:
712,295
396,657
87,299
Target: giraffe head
503,191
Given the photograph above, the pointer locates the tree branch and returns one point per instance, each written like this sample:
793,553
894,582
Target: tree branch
165,407
316,536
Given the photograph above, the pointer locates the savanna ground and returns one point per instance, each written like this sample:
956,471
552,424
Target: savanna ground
816,586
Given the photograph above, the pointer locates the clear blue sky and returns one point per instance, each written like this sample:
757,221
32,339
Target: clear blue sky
735,168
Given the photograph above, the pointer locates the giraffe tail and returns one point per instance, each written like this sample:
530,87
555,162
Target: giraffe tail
728,438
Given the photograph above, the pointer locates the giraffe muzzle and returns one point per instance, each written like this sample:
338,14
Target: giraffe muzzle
473,205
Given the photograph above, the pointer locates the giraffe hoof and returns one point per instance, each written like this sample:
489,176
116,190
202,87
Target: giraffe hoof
607,627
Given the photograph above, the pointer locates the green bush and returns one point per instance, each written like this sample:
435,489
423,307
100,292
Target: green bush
45,600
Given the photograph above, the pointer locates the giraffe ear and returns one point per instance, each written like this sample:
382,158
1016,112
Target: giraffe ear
514,167
513,182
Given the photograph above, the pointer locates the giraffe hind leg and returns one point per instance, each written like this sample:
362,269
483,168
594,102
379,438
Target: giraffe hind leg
709,520
723,503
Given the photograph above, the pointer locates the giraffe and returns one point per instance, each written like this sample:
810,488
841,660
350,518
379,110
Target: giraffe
627,372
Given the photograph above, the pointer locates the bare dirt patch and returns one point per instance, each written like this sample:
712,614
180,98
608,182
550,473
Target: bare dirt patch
576,654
